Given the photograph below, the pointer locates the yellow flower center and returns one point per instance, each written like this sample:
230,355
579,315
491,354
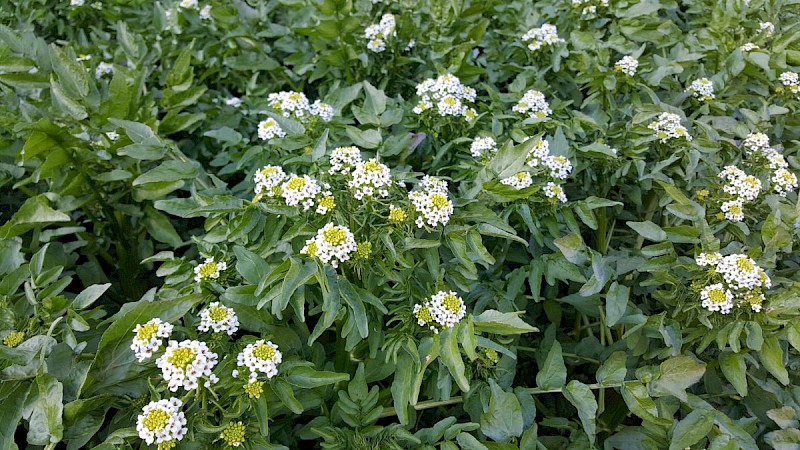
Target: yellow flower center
424,314
556,190
264,352
540,114
372,166
234,434
334,236
156,420
751,181
450,101
470,114
167,445
703,194
269,123
254,389
787,177
364,249
522,105
148,331
520,176
452,303
327,202
207,270
14,339
744,264
218,314
662,135
439,201
397,215
717,296
269,171
735,210
182,357
296,97
311,249
296,183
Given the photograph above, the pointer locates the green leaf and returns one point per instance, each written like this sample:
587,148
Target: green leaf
299,273
375,103
492,321
648,230
225,135
616,303
788,439
13,395
784,417
553,374
71,75
139,133
250,266
771,355
691,429
35,211
64,103
286,395
168,171
306,377
734,368
502,419
613,370
402,385
44,421
677,374
320,148
451,358
583,400
89,295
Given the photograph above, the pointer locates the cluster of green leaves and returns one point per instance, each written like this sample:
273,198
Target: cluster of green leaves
115,186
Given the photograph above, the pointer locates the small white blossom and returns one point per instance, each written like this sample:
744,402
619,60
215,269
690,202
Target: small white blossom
322,110
483,148
219,319
431,202
708,259
519,180
205,12
210,269
756,142
344,159
784,182
741,272
627,65
552,190
448,95
184,363
112,135
260,357
668,126
162,421
733,209
103,69
791,81
702,89
543,36
748,47
149,337
766,27
300,190
234,102
716,298
370,178
534,104
269,178
269,129
188,4
332,244
443,310
538,154
76,2
559,166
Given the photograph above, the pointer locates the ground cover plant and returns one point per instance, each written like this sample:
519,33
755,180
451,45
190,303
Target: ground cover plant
364,224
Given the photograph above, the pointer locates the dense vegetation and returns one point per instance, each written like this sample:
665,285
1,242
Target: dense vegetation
365,224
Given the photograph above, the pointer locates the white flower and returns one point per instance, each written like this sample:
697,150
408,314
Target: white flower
539,152
559,166
746,187
377,33
433,184
448,95
83,57
76,2
627,65
300,190
534,104
519,180
668,126
733,209
184,363
344,159
269,128
260,357
376,45
322,110
483,148
112,135
552,190
756,142
775,159
97,5
748,47
188,4
205,12
218,318
332,244
716,298
410,45
432,207
162,421
233,101
369,178
148,338
741,272
289,103
784,182
708,259
587,6
102,69
268,178
766,27
790,80
702,89
210,269
541,37
446,308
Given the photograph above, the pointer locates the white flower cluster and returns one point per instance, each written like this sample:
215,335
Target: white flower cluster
377,33
431,202
205,12
102,69
76,2
519,180
766,27
368,178
333,244
552,190
260,357
483,147
210,269
741,279
734,210
184,363
534,104
748,47
791,81
219,319
148,338
543,36
589,7
296,105
783,181
188,4
443,310
746,187
234,102
162,422
668,126
300,190
559,166
537,155
344,159
269,129
448,95
756,142
268,179
627,65
702,89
